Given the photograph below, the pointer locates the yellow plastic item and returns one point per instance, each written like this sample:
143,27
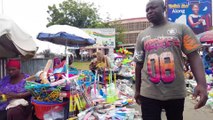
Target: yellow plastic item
129,100
3,98
211,94
73,118
77,102
71,104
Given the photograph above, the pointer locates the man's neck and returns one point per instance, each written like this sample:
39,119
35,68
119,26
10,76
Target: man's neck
160,22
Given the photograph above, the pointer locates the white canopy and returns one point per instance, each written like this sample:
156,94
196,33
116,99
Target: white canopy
14,41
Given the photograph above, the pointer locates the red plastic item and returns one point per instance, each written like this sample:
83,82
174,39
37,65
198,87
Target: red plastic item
41,109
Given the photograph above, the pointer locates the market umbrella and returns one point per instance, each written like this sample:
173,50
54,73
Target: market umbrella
66,35
206,37
14,41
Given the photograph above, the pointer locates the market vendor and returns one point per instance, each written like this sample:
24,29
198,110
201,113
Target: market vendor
72,70
60,66
100,62
14,102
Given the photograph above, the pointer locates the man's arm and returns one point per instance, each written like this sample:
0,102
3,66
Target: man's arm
139,59
138,81
198,72
138,69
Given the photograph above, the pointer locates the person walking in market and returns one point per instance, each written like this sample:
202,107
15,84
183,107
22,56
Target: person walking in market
159,69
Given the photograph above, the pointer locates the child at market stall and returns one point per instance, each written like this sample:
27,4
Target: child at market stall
72,70
59,67
100,62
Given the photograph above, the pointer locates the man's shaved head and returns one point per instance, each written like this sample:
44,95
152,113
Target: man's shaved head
159,2
155,11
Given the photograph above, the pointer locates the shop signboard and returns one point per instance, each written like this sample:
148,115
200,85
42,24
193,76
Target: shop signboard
105,37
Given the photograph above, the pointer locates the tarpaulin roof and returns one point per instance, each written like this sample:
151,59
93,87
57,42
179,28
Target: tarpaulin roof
14,41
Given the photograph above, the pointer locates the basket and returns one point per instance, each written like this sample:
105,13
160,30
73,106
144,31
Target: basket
42,108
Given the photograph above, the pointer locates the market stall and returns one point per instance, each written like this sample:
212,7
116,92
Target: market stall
62,35
88,97
124,62
79,95
12,38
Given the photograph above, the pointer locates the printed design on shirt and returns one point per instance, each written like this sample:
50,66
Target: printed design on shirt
189,43
161,42
172,31
161,67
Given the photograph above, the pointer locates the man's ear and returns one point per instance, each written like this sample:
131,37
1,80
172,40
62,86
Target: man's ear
164,9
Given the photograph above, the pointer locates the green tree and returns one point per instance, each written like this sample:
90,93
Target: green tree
47,53
71,12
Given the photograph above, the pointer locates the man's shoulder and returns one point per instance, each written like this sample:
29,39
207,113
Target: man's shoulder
178,26
175,24
143,32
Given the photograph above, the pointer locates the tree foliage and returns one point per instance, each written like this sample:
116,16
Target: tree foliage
120,36
71,12
82,15
47,53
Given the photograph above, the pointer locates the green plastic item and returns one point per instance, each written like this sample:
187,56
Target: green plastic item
111,94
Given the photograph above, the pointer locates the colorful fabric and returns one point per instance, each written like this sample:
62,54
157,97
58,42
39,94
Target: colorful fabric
6,87
160,49
14,63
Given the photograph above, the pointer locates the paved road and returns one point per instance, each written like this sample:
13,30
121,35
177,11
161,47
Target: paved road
190,113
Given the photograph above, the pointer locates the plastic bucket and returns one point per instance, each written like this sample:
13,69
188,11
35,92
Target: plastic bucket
42,108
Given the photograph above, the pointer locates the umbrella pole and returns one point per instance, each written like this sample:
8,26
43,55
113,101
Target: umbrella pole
67,61
67,66
65,52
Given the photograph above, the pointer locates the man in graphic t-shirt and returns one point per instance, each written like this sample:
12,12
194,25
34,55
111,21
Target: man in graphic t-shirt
159,70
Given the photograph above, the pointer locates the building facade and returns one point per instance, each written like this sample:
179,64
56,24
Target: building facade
132,27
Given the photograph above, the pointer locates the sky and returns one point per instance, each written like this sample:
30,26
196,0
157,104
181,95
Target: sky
31,15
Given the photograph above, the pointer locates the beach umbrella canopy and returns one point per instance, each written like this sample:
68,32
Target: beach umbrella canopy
66,35
206,37
14,41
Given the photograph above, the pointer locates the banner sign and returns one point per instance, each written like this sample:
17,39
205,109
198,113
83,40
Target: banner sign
197,14
105,37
